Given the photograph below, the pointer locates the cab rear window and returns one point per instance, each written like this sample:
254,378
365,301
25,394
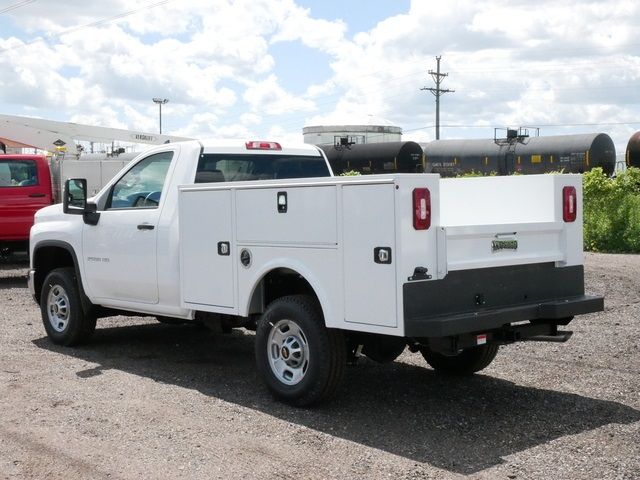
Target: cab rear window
18,173
244,167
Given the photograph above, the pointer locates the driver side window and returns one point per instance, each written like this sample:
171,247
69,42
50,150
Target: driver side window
141,187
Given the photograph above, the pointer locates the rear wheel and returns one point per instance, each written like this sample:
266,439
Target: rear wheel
467,362
62,314
301,361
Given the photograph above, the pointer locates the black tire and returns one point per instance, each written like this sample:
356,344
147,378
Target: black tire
467,362
295,324
63,317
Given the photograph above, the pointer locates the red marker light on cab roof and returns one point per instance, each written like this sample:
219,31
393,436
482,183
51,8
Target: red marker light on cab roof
569,204
421,209
260,145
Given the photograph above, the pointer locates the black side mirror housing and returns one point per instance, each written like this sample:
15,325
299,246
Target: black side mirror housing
74,201
91,214
74,197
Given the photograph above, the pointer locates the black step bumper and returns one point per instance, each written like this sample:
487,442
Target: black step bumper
484,299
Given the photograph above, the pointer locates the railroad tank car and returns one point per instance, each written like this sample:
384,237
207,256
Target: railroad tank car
632,156
454,157
370,158
566,153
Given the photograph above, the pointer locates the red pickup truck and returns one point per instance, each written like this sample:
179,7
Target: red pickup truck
25,187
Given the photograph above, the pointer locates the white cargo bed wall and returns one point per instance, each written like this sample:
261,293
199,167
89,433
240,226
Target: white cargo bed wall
475,212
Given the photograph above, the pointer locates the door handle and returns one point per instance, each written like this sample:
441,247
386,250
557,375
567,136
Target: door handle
37,195
145,226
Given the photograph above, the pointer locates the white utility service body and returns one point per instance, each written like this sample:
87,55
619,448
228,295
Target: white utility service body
332,227
258,235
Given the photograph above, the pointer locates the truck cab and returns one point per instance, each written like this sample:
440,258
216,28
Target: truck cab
25,187
136,218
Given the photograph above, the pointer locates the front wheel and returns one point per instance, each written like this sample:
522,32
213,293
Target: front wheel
62,314
301,361
467,362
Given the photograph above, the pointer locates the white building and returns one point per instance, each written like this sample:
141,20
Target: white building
368,129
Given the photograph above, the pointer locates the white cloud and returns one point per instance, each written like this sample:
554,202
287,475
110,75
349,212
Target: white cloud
269,97
319,34
284,136
510,62
250,119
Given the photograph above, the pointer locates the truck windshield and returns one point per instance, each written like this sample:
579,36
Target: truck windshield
18,173
242,167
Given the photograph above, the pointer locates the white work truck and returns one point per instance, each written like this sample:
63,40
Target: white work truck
325,269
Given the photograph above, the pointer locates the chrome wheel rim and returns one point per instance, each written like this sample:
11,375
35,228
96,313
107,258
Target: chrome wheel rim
288,352
58,308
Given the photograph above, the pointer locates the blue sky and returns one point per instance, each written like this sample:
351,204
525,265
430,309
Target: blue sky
359,15
266,68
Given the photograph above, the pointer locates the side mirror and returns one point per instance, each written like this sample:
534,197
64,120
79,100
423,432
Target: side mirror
74,198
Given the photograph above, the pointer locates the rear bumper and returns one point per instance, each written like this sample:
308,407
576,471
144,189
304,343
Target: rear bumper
484,299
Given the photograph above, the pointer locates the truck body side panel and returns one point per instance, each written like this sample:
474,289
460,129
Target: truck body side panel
329,230
320,267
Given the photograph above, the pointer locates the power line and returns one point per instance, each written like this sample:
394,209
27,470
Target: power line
86,25
16,6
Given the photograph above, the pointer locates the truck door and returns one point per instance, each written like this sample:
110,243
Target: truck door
120,252
25,187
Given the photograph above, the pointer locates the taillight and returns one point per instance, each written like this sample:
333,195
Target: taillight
256,145
421,209
569,204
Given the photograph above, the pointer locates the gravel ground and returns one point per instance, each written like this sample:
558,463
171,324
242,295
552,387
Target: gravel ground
145,400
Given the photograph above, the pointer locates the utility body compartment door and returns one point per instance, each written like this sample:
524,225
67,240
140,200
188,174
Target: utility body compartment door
368,225
207,250
287,215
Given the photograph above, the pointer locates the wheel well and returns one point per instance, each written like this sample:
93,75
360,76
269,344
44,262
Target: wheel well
46,259
279,283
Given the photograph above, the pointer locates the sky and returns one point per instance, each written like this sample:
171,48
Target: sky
264,69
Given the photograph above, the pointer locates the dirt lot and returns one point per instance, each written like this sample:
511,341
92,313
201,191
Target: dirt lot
146,400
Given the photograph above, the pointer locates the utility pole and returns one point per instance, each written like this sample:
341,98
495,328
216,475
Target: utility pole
437,92
160,102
